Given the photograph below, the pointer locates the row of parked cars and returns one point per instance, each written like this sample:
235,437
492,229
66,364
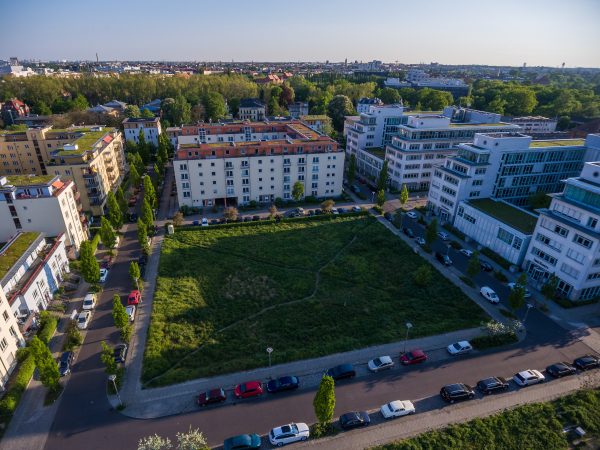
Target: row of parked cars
450,393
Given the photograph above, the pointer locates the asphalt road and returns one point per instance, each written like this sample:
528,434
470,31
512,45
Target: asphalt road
85,420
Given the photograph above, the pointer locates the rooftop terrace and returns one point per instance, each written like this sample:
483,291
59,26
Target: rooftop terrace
16,249
28,180
85,143
558,143
379,152
506,213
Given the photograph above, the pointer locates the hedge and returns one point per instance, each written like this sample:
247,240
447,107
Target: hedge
496,257
484,342
9,403
48,324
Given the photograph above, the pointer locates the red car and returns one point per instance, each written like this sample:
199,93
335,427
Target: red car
248,389
212,396
413,357
134,298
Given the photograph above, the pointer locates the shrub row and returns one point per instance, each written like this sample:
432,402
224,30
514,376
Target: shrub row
483,342
496,257
22,376
566,303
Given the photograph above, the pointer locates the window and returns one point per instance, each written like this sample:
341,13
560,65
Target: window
576,256
505,236
5,315
549,242
3,344
186,194
561,231
477,182
544,256
583,241
571,271
517,243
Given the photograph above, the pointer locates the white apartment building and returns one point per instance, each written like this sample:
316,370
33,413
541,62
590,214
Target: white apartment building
426,140
566,240
363,105
298,109
508,166
236,163
252,109
535,124
36,266
41,203
149,127
10,341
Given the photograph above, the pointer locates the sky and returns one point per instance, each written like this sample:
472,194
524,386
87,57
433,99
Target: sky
509,32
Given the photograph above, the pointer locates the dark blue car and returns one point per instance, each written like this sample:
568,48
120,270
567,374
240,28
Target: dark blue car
283,384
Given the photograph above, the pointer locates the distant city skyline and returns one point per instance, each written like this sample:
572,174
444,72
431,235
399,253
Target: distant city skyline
510,33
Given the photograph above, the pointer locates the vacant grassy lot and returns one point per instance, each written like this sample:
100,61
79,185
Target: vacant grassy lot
536,426
307,288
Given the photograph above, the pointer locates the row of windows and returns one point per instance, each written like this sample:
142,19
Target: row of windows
544,256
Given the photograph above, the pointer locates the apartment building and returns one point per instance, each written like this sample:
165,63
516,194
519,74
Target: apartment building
298,109
41,203
363,105
150,128
34,265
321,123
566,240
252,109
239,162
508,166
10,341
426,140
532,125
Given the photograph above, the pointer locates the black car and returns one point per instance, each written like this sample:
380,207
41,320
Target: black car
354,419
214,222
342,371
142,260
255,218
311,212
388,216
283,384
120,353
492,384
587,362
408,232
443,258
560,369
342,210
64,365
486,266
457,392
318,212
247,219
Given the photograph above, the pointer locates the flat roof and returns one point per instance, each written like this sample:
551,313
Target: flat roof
15,250
29,180
558,143
85,142
379,152
506,213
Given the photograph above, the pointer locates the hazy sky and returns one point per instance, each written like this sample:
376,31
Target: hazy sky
510,32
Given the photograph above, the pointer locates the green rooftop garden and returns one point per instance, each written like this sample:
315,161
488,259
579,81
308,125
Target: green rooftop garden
315,117
511,215
85,142
26,180
15,251
558,143
379,152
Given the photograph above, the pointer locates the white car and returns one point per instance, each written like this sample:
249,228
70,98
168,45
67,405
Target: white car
89,301
83,319
117,241
397,408
467,253
287,434
458,348
528,377
204,222
356,209
420,240
412,214
512,286
103,275
301,211
443,236
130,310
489,294
381,363
334,211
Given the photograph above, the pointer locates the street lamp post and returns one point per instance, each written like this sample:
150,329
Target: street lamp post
529,306
113,378
269,351
408,327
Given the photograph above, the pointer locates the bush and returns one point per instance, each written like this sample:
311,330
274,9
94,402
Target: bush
500,276
423,275
74,337
566,303
17,386
319,430
484,342
57,306
95,242
48,323
378,209
75,265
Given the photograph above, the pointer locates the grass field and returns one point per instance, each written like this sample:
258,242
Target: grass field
307,288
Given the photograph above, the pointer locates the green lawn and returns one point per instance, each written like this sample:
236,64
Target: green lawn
214,285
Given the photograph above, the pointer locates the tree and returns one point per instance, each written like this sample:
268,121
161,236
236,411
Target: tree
74,337
327,205
159,173
132,111
423,275
90,269
380,198
382,180
147,114
298,191
121,201
431,232
192,440
231,213
351,171
214,106
339,107
324,401
134,175
108,358
115,214
147,214
516,298
539,200
119,314
107,234
177,111
548,290
143,236
164,148
154,442
149,192
143,148
287,95
474,267
389,95
134,272
178,219
403,195
45,363
272,211
79,103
